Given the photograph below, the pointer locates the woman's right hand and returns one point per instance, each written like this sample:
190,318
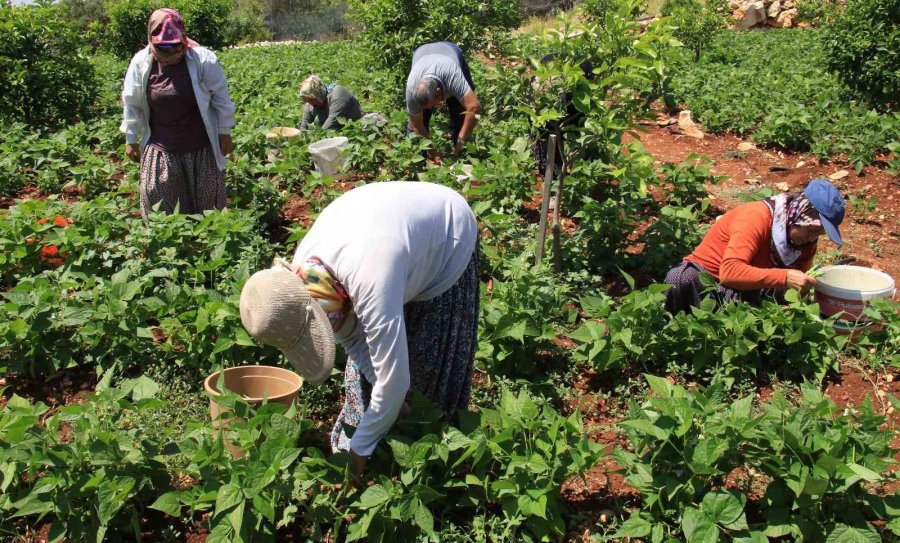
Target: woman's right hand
800,281
133,151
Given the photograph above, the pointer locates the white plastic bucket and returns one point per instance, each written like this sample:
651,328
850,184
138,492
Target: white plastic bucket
329,154
844,291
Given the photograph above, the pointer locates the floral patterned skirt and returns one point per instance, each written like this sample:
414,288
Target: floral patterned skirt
442,336
687,290
192,182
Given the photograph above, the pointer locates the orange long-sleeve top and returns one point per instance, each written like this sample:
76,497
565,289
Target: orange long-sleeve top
736,250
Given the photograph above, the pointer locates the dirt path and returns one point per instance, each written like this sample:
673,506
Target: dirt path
872,237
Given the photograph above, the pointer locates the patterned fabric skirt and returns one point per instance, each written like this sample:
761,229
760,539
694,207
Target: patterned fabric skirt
190,181
442,337
687,291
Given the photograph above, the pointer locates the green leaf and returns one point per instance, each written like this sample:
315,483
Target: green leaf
659,385
374,496
698,527
264,507
635,526
864,472
18,402
168,503
725,508
705,455
221,533
424,520
894,526
112,496
455,439
144,388
628,279
752,537
9,475
32,504
851,534
230,495
647,428
236,518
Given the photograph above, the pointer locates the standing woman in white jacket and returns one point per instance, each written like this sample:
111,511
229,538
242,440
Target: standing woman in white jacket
177,119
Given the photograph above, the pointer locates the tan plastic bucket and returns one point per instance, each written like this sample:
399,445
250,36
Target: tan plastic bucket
845,291
255,384
285,132
279,135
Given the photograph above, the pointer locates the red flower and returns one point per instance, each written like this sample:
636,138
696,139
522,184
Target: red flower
43,221
54,261
49,250
62,222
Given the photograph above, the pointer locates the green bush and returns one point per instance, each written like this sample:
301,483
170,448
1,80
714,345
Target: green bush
598,9
863,48
774,86
790,469
211,23
695,21
128,25
207,22
47,80
246,23
394,28
89,17
817,11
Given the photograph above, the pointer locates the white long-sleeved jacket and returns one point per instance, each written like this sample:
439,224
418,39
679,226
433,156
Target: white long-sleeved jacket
389,244
210,88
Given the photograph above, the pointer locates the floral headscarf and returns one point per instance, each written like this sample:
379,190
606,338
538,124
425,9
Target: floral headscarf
314,88
166,27
324,288
788,210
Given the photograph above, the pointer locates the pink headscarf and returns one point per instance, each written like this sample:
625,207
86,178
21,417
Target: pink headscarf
167,27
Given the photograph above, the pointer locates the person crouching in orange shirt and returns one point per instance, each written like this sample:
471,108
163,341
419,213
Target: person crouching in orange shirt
759,249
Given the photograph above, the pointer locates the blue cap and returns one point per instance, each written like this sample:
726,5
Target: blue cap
829,202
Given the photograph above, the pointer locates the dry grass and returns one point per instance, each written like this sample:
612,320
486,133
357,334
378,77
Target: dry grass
654,7
537,25
540,24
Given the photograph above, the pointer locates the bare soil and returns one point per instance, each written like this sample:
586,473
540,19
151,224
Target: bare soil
62,388
872,238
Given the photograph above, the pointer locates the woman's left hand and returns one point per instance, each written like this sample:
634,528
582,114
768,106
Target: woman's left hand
225,144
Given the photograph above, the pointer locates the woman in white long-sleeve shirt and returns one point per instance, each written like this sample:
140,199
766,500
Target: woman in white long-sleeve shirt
394,269
177,119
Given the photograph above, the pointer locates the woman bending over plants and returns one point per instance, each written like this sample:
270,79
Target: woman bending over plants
390,271
759,249
441,74
326,105
177,119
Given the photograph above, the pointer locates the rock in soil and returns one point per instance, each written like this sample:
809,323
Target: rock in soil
840,174
688,126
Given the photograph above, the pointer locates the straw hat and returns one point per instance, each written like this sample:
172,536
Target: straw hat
277,310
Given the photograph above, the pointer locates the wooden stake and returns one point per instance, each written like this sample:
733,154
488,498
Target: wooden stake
545,201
